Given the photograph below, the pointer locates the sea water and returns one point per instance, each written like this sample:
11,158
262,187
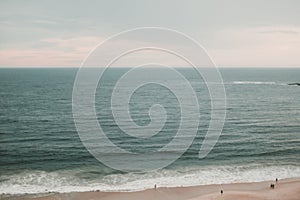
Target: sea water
40,149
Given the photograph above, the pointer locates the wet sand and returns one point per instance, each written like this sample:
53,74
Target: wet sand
288,189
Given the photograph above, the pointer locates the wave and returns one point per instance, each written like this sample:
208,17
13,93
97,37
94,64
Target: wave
245,83
255,83
71,180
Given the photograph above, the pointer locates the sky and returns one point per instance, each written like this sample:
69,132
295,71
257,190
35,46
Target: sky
55,33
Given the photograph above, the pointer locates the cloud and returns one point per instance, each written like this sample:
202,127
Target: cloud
257,46
50,52
72,52
234,32
44,22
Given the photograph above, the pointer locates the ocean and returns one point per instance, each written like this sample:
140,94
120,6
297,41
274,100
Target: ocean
41,151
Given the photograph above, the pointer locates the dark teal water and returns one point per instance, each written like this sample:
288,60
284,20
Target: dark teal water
40,149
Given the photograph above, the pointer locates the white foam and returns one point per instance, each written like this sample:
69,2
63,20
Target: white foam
255,82
67,181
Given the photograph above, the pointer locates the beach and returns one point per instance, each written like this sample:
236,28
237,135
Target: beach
43,157
288,189
149,100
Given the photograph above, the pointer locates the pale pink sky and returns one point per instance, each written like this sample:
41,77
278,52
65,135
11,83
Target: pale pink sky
31,35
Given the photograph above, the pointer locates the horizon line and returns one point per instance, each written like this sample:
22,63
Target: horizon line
126,67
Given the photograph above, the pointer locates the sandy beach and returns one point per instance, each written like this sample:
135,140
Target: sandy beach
288,189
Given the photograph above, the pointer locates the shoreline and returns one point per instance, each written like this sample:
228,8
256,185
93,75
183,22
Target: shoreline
288,189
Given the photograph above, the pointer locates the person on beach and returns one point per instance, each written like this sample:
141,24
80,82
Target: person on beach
272,186
276,180
154,186
221,192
